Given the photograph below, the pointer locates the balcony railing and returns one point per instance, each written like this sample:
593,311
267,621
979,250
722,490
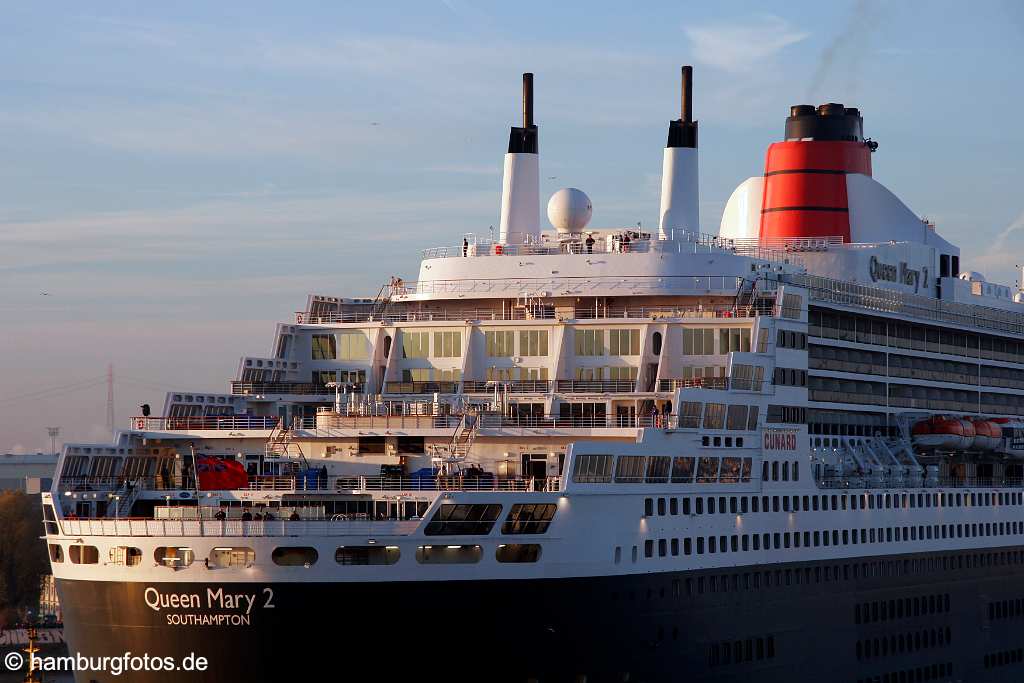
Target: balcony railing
513,387
562,422
296,388
330,420
586,386
215,528
779,251
702,383
421,387
230,422
540,313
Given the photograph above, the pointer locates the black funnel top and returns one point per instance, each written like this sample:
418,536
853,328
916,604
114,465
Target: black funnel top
524,140
830,121
683,131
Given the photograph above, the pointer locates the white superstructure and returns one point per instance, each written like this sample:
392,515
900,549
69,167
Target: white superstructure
588,403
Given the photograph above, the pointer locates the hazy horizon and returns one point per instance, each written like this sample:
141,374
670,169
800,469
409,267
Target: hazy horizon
179,178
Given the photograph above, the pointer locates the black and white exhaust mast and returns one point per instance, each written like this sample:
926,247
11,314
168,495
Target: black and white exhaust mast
680,195
520,187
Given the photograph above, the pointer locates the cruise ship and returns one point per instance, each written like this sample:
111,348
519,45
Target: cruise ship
791,451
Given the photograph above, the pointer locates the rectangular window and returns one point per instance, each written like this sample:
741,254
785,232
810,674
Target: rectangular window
629,469
707,470
589,342
698,341
500,343
448,344
324,347
730,471
657,469
593,469
624,342
529,518
714,416
622,374
682,470
533,342
352,345
736,417
474,519
415,344
733,339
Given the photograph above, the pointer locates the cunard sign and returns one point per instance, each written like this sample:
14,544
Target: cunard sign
780,439
901,274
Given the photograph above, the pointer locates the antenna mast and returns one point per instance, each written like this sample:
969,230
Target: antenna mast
110,398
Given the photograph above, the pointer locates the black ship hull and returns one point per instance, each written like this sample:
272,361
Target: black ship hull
935,617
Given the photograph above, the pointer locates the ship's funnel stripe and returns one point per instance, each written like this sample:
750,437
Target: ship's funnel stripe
823,171
806,208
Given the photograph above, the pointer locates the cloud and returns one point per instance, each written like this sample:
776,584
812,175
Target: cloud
741,46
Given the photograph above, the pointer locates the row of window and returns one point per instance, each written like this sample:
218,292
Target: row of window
995,660
1006,609
302,556
787,339
701,341
741,505
932,672
344,345
501,343
826,573
834,537
915,336
925,639
478,519
591,342
905,608
740,651
660,469
789,377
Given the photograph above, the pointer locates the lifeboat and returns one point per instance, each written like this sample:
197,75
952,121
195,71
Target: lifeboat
988,435
944,432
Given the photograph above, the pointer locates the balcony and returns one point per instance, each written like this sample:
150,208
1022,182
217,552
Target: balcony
421,387
512,387
585,386
576,422
294,388
720,383
213,422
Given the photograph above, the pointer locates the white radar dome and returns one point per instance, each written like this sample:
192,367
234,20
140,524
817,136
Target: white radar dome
569,210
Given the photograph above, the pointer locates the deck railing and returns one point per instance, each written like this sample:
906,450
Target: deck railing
217,528
546,312
169,424
297,388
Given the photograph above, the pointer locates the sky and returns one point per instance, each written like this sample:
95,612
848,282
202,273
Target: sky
177,177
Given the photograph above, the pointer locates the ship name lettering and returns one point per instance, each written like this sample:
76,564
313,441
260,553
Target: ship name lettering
779,441
221,600
157,601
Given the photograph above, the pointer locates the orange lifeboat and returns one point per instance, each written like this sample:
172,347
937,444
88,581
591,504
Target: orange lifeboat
989,435
944,432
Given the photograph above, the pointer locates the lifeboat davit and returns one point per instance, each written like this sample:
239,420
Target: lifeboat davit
988,435
944,432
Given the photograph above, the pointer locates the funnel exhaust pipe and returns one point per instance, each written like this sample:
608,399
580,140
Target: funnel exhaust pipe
679,186
686,110
519,222
527,100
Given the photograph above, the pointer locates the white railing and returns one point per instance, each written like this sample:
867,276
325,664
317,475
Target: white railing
778,250
889,301
218,528
581,286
